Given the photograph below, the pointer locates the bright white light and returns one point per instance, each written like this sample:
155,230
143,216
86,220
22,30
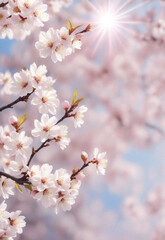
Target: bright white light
111,20
108,21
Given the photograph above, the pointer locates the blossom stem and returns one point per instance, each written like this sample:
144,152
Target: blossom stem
79,170
20,99
37,150
20,181
66,115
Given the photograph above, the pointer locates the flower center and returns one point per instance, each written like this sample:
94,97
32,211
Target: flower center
44,99
50,44
46,129
19,145
24,84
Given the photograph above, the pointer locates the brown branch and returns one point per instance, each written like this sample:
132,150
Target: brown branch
20,181
79,170
20,99
37,150
3,4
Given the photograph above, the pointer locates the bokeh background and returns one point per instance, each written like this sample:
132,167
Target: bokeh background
123,80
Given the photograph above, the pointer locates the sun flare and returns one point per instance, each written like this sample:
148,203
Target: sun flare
108,21
111,20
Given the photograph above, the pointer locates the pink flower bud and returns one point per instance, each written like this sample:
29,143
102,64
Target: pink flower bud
66,105
13,120
80,176
84,156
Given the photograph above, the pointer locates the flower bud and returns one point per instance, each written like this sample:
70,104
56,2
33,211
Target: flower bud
84,156
80,176
13,121
65,105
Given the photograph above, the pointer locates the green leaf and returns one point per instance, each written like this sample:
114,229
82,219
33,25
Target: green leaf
22,119
75,27
69,25
29,187
78,101
18,187
88,28
74,97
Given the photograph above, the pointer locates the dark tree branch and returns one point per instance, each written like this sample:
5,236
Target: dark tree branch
79,170
20,99
20,181
37,150
3,4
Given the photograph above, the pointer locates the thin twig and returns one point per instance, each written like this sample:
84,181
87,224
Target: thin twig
20,99
37,150
154,127
79,170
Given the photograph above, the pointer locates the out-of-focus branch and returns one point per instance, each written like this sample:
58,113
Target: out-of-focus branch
3,4
149,125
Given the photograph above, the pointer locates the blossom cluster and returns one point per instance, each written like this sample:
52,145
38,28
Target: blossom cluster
11,223
59,189
15,149
47,129
15,152
19,18
44,97
58,43
56,189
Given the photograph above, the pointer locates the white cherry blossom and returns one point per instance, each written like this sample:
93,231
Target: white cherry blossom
5,81
46,100
101,161
22,83
46,128
57,44
79,115
6,187
41,177
19,145
62,136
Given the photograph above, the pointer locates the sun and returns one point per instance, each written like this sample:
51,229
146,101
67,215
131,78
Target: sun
111,20
108,21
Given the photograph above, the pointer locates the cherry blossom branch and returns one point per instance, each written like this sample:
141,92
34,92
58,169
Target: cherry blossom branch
3,4
44,144
20,99
38,149
79,170
67,114
20,181
149,125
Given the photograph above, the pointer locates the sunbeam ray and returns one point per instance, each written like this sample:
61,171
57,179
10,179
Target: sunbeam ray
111,20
